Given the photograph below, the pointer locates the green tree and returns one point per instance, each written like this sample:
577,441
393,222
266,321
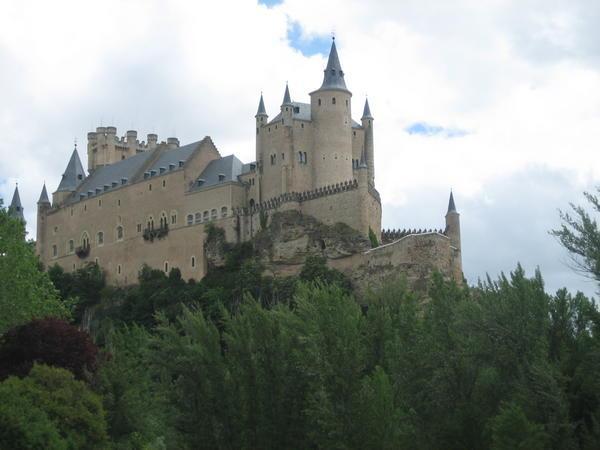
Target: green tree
49,409
26,292
511,430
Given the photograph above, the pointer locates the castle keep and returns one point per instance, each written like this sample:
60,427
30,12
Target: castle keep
147,202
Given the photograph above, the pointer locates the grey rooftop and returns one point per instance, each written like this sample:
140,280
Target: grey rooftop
367,110
261,107
74,174
334,75
451,205
44,196
16,208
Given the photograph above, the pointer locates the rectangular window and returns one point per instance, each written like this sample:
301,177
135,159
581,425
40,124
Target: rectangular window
139,227
173,219
54,251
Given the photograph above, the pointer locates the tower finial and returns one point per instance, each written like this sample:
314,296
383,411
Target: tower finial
334,75
367,110
15,208
287,99
451,205
261,107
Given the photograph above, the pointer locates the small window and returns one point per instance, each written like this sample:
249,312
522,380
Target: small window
119,233
119,202
96,261
119,269
319,102
198,218
85,207
163,220
166,267
164,183
205,216
99,203
224,211
139,227
173,218
55,230
190,219
100,238
80,177
282,156
193,261
301,125
71,246
333,100
150,187
213,214
305,158
346,103
54,251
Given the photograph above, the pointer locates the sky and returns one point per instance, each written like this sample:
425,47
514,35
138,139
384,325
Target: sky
497,100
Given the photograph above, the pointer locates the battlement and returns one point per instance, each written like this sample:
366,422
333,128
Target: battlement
298,197
389,236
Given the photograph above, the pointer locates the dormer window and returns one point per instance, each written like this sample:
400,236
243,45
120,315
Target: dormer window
146,175
200,181
123,180
296,109
171,166
162,169
152,173
221,177
114,184
181,163
80,177
333,100
106,187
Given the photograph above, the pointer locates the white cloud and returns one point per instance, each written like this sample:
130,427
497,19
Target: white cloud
523,78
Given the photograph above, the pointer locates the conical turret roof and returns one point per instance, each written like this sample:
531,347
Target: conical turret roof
287,99
367,110
451,205
16,208
261,107
334,75
44,196
74,174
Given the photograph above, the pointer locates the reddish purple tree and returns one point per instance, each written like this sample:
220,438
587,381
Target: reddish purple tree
48,341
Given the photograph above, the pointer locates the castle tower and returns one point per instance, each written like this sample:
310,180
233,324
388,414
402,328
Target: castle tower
367,123
43,206
15,208
330,112
71,178
261,119
453,233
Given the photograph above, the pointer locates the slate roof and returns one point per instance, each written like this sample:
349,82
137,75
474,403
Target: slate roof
261,107
44,196
367,110
333,77
16,208
451,205
302,114
73,175
174,156
229,166
287,99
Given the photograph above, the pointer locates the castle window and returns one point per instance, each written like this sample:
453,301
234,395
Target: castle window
213,214
100,238
193,261
354,133
173,217
301,125
282,156
55,230
85,207
205,216
139,227
252,203
54,251
85,240
119,269
150,187
119,202
224,211
346,103
299,157
166,266
151,223
190,219
96,261
333,100
319,102
286,108
164,183
119,233
99,203
305,158
275,126
71,245
269,129
198,217
163,220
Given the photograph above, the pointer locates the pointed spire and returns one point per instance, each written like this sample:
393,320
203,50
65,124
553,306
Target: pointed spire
16,208
74,174
367,110
261,107
287,99
334,75
44,200
451,205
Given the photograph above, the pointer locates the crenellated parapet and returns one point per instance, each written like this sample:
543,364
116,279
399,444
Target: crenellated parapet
298,197
388,236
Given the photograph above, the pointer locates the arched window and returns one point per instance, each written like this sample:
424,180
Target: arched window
205,216
150,223
213,214
100,238
190,219
164,223
85,240
319,102
224,211
120,233
54,251
71,246
173,217
252,203
198,217
333,100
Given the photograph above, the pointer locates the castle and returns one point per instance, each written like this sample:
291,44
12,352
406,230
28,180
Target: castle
148,202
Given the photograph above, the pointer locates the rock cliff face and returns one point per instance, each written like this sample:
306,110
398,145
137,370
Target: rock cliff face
291,236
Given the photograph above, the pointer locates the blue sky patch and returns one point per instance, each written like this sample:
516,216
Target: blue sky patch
270,3
429,130
308,46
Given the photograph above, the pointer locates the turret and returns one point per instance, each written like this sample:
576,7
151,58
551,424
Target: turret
367,123
43,206
152,141
261,119
71,179
287,108
172,143
15,209
453,233
131,137
330,113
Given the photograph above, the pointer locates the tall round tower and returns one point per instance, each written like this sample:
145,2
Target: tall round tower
330,107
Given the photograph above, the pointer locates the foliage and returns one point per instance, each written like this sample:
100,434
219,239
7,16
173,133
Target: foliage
315,270
49,409
26,292
49,341
373,238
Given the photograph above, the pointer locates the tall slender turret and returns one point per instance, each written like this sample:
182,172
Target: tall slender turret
287,108
15,208
330,113
453,233
43,206
71,178
261,119
367,123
